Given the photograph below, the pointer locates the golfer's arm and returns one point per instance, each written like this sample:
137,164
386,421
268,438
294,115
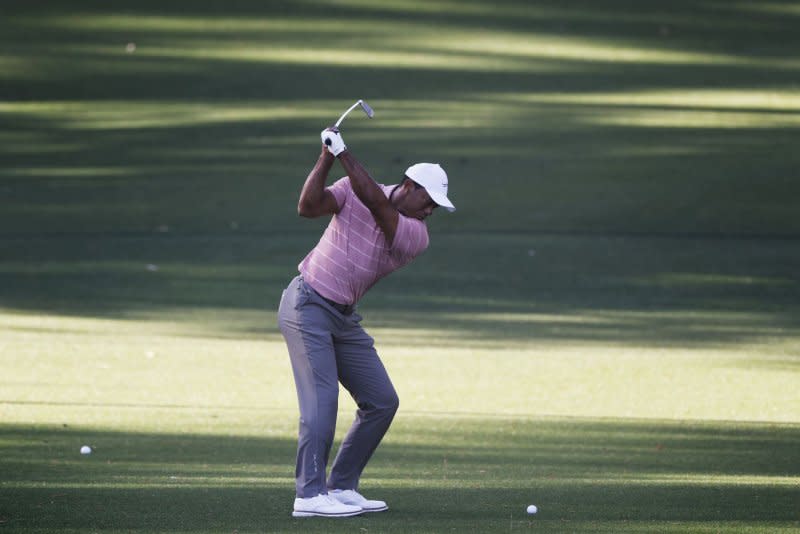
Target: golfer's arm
315,200
371,195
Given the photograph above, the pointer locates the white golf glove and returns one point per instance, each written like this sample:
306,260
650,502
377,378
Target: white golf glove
333,141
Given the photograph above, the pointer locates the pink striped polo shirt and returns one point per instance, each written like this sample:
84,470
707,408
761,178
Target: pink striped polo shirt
352,254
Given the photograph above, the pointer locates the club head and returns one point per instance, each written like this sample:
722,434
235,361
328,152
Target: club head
359,103
367,109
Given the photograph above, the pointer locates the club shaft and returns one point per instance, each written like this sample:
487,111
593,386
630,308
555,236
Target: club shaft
351,108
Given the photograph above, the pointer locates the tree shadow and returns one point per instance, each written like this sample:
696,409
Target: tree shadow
597,202
489,289
184,167
437,473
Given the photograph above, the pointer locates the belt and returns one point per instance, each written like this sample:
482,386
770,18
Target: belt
344,309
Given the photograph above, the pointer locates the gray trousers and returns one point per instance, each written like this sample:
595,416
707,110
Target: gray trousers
327,347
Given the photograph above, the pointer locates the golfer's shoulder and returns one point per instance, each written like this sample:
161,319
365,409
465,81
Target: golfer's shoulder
341,190
411,237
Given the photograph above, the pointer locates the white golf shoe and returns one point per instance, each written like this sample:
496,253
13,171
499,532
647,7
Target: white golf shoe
323,506
354,498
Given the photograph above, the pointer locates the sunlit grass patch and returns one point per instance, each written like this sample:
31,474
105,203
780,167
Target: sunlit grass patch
138,115
116,368
193,25
13,67
67,172
391,116
686,108
554,47
697,119
766,99
788,9
422,44
395,57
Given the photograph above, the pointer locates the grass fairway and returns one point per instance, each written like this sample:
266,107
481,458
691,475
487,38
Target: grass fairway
608,327
615,400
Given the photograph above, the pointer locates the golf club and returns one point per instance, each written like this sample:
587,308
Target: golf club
364,106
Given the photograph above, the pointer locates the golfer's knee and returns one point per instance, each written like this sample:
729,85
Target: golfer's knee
386,405
390,403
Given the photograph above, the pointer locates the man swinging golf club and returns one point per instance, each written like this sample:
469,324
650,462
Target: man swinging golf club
375,230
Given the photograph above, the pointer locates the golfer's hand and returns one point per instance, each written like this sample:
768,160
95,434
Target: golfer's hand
332,140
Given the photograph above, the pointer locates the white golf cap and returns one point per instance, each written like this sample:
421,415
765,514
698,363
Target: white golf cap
432,177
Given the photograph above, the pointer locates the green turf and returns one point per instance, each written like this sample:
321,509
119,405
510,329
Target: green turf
608,327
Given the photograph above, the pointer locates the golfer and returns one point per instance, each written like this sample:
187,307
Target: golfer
375,229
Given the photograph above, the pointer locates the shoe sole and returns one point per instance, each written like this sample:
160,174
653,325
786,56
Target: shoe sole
321,514
369,510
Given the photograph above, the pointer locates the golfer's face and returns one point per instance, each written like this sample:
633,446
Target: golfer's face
419,204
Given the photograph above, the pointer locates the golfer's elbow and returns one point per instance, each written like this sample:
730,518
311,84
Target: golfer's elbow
312,206
306,209
307,204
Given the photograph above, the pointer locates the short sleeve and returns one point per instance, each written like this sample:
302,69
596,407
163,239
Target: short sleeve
340,189
410,239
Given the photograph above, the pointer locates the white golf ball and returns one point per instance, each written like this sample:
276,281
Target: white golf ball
532,509
86,449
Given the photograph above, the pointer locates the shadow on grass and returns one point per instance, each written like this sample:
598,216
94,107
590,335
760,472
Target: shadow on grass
175,133
437,473
97,143
487,288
